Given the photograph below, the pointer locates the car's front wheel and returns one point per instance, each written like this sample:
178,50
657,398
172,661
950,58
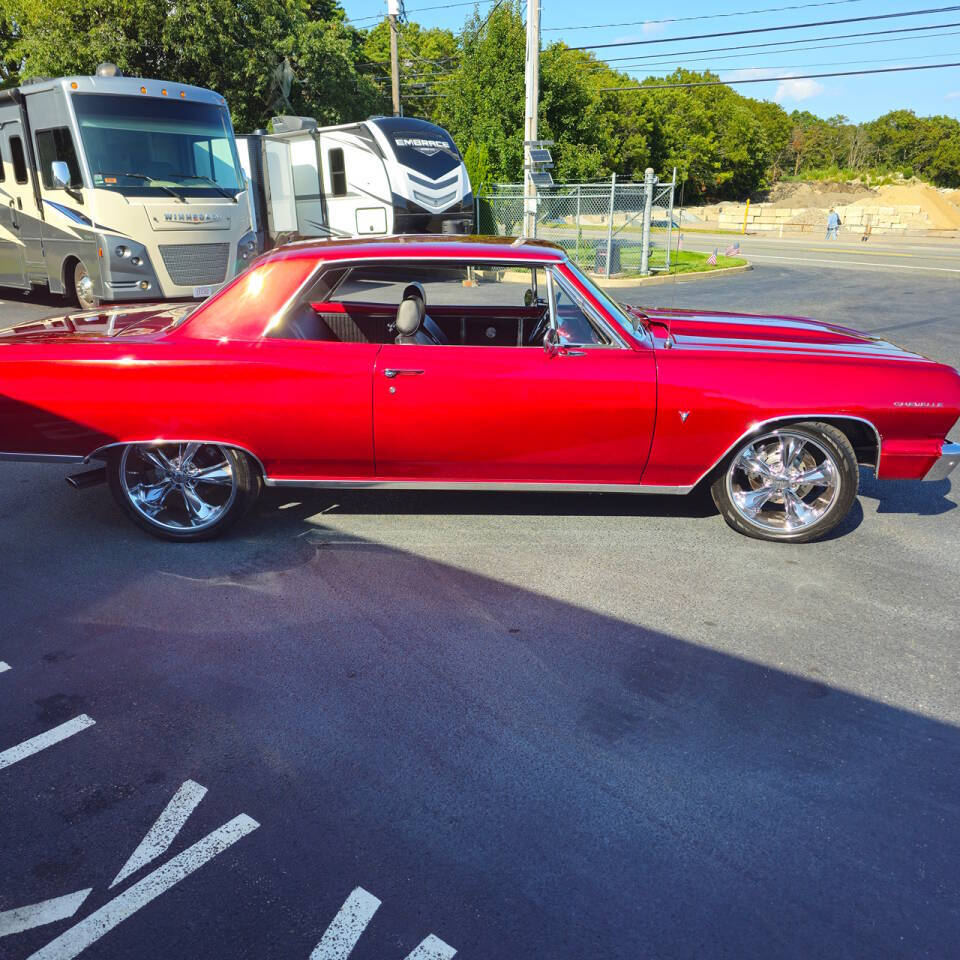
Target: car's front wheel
183,491
795,483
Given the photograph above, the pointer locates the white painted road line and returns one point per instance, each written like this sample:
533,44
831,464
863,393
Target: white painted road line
853,263
4,666
44,740
164,831
37,914
345,928
433,948
75,940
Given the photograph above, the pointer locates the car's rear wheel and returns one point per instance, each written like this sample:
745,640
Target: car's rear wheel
795,483
183,491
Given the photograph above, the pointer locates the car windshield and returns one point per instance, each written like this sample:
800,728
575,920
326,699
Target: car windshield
141,145
616,310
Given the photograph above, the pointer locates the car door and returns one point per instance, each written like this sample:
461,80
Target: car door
515,414
12,259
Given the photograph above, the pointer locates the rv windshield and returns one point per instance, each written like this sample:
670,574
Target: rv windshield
143,146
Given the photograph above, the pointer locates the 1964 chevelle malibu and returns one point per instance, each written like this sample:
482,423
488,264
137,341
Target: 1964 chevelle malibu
465,364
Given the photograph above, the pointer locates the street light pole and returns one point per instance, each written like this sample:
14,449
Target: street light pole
530,116
393,10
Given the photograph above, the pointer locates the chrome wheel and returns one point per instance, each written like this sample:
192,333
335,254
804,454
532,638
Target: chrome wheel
83,287
179,487
783,482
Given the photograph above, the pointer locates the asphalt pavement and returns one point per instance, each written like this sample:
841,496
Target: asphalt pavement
509,726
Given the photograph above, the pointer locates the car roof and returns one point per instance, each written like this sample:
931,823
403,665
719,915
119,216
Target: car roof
427,246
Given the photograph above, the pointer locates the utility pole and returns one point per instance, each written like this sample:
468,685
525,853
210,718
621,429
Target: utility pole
394,10
530,117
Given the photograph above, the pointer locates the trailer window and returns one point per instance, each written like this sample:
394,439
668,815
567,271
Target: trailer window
57,144
19,162
338,173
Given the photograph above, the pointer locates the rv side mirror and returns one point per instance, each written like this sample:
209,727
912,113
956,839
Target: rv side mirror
60,174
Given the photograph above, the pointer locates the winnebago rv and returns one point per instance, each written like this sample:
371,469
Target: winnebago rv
385,175
119,188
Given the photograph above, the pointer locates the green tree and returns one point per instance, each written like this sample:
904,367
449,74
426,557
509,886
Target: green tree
264,56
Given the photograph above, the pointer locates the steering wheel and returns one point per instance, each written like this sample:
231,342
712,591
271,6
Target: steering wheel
540,327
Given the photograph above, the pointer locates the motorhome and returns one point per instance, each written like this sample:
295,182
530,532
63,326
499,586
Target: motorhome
385,175
120,188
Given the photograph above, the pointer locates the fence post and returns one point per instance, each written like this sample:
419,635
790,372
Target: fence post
578,259
613,193
648,181
673,191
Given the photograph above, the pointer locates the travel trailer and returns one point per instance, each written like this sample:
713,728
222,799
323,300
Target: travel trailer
120,188
385,175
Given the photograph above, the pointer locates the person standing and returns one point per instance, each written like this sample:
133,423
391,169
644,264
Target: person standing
833,224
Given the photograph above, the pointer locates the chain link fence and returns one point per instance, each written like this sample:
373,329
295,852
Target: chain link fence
604,227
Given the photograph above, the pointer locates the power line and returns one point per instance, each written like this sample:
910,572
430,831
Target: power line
801,66
707,16
784,43
797,76
792,26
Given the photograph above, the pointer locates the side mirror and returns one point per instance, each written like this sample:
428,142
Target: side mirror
60,174
551,342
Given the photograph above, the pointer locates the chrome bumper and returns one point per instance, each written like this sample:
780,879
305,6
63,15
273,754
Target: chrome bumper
949,458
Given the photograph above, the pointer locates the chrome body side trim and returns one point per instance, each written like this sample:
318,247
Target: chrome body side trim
784,419
101,452
467,485
43,457
949,459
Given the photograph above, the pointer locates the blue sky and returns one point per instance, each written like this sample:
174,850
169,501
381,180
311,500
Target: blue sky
859,98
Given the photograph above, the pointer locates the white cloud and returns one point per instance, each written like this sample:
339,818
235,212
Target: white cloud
795,90
952,95
652,27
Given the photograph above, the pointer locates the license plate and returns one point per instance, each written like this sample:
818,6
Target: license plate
201,293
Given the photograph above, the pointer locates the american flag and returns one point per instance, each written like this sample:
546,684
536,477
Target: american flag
733,249
712,259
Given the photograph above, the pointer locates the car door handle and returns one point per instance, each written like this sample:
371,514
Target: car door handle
391,373
567,352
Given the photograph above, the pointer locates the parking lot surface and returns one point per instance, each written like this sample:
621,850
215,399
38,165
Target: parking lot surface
412,725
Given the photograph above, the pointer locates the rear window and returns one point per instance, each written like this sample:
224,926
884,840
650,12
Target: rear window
19,162
338,173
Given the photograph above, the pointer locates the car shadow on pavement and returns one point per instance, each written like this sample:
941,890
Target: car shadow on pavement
915,497
522,774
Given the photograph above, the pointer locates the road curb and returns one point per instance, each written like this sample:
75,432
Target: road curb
668,277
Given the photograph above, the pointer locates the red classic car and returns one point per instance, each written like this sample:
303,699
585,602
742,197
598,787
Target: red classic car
452,363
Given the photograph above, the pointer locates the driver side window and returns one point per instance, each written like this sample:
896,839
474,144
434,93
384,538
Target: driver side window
575,322
454,304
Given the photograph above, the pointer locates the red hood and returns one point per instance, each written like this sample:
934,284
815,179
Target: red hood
717,330
100,324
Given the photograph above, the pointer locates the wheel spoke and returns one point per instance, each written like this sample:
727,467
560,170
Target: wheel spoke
791,447
152,497
157,457
198,508
799,514
187,453
822,475
754,463
753,501
220,474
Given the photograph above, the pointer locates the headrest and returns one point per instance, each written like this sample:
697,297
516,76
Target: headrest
409,316
414,290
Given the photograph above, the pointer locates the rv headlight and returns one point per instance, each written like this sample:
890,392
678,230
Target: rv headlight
122,251
247,247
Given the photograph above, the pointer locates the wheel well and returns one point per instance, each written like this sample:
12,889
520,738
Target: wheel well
863,437
66,273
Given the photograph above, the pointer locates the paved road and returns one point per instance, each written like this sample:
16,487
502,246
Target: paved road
559,727
879,254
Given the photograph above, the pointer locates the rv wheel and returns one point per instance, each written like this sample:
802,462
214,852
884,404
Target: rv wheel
83,288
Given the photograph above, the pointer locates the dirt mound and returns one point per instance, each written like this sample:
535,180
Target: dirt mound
943,214
816,194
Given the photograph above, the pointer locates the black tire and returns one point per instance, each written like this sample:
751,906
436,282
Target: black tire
845,472
246,485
